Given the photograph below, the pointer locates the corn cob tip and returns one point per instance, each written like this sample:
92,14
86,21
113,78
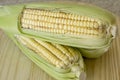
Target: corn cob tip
113,31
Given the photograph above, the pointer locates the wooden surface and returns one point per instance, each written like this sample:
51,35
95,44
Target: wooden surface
14,65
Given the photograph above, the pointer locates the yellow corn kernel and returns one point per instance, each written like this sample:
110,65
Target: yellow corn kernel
74,52
64,51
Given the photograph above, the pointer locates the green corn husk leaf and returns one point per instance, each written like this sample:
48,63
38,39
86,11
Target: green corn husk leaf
90,47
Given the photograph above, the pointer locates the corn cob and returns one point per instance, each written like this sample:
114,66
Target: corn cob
52,55
61,23
92,33
87,27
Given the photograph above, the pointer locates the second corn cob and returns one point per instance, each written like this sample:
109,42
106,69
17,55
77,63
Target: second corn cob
58,56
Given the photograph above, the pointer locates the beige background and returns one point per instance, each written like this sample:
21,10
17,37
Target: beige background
14,65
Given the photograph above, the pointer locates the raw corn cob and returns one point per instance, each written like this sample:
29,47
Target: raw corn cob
87,27
62,62
92,32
